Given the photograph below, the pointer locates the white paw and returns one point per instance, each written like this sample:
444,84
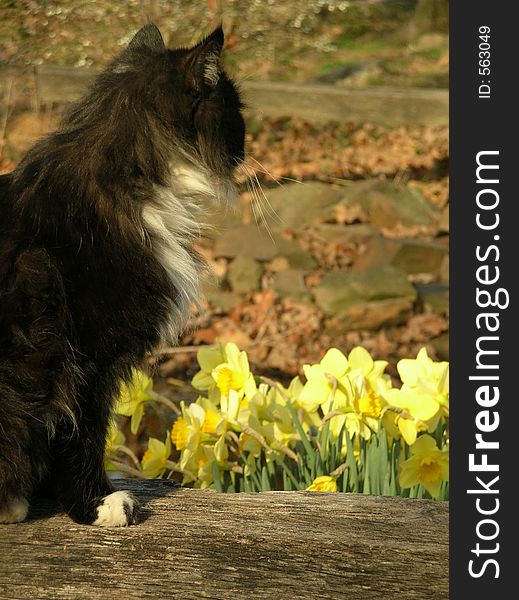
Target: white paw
117,510
14,511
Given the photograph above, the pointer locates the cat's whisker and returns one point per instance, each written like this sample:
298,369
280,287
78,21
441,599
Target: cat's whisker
260,209
253,203
263,169
255,186
253,208
268,206
251,173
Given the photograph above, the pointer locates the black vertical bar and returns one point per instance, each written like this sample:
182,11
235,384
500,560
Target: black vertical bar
482,122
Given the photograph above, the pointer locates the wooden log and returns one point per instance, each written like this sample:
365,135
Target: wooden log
201,544
321,103
315,103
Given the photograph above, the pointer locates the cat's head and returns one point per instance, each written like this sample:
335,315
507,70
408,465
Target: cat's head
189,95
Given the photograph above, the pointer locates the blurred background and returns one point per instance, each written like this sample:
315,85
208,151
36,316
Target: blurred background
341,233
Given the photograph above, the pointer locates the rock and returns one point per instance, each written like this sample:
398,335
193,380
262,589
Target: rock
387,205
443,225
408,255
219,298
441,346
291,284
444,269
379,252
415,256
356,233
245,241
220,218
280,263
301,204
296,257
435,295
337,292
371,315
244,275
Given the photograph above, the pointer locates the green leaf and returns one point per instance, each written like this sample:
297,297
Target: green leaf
265,483
288,473
216,477
271,469
323,446
304,439
352,464
392,477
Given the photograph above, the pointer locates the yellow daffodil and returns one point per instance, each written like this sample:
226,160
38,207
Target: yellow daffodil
208,358
114,439
268,415
234,374
200,424
325,483
318,389
132,397
250,444
240,425
424,376
427,465
203,467
359,408
155,458
407,413
221,452
187,429
360,362
180,433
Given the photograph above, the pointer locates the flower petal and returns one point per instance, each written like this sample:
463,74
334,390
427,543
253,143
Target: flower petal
425,445
334,362
314,394
360,358
409,371
433,487
208,358
203,380
407,428
136,418
409,473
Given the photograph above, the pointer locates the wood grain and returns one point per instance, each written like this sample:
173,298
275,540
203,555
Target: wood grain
315,103
201,544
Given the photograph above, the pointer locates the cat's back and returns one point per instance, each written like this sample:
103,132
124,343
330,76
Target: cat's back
7,221
5,188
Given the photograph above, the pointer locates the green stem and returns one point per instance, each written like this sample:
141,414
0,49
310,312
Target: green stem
160,399
127,469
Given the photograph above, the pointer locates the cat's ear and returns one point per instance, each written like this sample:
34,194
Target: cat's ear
205,60
149,37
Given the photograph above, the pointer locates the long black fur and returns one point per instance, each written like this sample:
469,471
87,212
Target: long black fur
84,292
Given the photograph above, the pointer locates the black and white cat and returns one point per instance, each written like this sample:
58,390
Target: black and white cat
96,261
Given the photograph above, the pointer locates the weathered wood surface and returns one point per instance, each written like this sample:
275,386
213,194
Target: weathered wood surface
315,103
321,103
196,544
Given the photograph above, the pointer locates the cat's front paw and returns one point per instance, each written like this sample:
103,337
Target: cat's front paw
118,509
14,510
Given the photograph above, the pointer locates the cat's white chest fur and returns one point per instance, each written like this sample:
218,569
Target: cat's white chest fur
172,224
